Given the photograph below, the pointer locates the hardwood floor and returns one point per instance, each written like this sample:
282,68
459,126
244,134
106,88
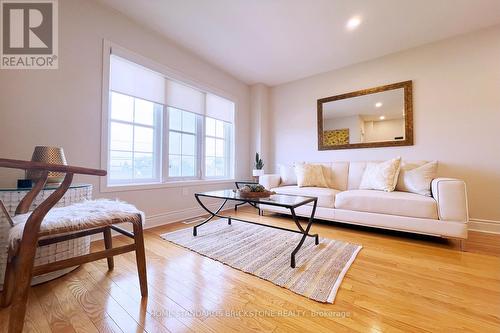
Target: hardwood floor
398,283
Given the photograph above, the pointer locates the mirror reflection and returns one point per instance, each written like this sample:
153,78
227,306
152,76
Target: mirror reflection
374,117
368,118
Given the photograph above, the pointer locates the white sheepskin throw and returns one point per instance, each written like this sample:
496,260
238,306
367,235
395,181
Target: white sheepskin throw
80,216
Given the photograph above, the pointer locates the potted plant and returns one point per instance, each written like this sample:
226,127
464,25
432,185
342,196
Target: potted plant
258,166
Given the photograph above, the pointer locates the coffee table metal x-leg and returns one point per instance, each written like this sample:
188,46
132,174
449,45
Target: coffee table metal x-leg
304,232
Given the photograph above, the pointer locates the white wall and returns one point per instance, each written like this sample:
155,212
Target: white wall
384,130
63,107
456,112
259,110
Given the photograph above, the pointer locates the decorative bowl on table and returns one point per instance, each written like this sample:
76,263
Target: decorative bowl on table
253,191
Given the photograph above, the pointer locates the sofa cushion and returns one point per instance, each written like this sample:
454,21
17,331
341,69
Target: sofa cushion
336,175
356,170
326,196
391,203
287,174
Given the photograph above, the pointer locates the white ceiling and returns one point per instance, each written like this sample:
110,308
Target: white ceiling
276,41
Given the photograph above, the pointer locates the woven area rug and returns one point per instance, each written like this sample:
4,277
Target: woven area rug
265,252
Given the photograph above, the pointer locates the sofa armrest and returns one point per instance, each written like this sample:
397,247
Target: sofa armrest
451,197
270,181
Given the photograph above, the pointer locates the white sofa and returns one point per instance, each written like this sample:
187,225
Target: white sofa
445,214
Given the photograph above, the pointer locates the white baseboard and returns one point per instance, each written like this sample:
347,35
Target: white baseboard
488,226
169,217
179,215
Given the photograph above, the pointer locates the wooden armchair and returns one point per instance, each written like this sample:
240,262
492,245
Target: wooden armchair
22,249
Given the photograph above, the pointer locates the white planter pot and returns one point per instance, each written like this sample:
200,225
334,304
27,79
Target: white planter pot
257,173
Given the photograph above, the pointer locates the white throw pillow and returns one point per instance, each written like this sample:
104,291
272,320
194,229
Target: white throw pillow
417,177
287,174
310,175
381,176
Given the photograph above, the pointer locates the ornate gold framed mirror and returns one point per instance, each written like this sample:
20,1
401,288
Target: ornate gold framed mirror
375,117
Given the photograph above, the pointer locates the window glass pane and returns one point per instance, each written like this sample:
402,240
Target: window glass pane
174,166
188,122
188,144
219,166
143,139
219,129
210,126
175,119
188,168
122,107
174,143
228,130
210,166
210,147
219,148
120,165
121,136
143,165
144,112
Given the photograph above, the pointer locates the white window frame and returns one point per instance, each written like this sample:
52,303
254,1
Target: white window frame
166,153
157,161
165,181
228,142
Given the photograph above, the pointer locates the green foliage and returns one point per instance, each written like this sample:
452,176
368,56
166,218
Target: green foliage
259,164
253,188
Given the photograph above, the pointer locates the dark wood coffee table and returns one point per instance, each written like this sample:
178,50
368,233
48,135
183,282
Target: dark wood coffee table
290,202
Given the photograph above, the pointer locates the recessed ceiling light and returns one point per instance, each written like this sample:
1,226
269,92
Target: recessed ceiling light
378,104
353,23
381,117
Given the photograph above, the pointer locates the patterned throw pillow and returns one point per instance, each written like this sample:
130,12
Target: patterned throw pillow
417,177
310,175
381,176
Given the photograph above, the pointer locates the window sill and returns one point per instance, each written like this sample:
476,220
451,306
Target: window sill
150,186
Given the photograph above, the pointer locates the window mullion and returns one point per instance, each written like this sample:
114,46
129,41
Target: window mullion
157,152
200,159
133,143
166,148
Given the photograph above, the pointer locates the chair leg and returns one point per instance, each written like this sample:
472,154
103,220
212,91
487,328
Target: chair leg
9,283
24,269
140,256
108,244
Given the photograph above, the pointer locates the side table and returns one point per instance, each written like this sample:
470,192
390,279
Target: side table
49,253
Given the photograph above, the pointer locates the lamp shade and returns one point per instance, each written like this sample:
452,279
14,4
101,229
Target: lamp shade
52,155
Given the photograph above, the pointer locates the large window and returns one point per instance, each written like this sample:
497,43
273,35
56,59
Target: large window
162,130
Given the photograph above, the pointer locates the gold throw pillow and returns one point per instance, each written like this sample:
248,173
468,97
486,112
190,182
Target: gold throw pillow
310,175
